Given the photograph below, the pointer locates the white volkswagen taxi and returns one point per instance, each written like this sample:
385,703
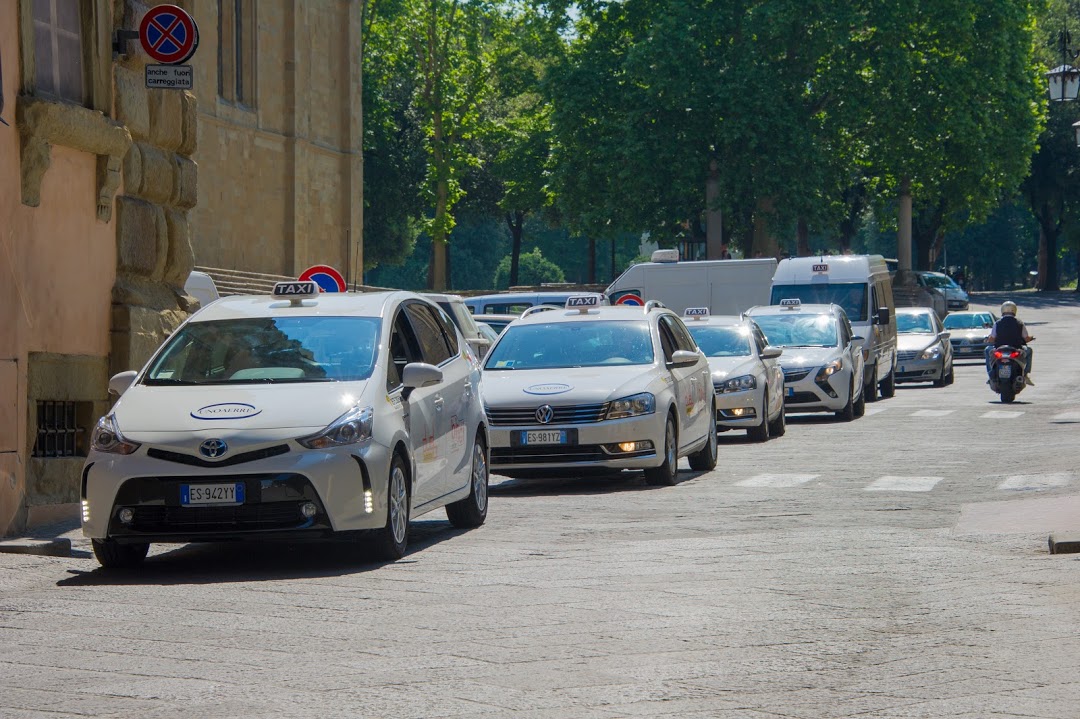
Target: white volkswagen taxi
823,361
289,416
592,386
746,376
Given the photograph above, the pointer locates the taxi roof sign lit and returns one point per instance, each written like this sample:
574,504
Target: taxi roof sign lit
697,313
582,302
297,291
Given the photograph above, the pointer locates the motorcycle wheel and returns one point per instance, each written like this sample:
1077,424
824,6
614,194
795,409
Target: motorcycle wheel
1008,394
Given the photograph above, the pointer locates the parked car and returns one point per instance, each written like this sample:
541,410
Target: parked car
260,418
923,353
955,297
201,286
454,306
968,331
514,303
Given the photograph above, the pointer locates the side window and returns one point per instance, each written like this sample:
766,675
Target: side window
428,334
845,331
404,349
683,340
667,341
446,324
759,338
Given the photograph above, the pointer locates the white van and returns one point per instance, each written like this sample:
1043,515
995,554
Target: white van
862,286
726,287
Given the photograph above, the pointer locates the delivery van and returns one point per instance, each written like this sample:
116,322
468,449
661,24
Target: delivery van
726,287
862,286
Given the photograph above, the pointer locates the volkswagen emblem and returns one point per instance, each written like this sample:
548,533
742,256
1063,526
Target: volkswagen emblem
544,414
213,448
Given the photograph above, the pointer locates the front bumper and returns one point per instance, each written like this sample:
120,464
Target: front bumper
589,445
920,370
956,304
969,350
803,392
738,410
347,485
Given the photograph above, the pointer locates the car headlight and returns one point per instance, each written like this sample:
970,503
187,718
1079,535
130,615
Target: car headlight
829,370
632,406
107,438
737,384
932,353
352,427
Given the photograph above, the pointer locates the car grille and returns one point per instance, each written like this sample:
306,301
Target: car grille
276,515
795,374
558,454
801,398
906,356
193,461
573,414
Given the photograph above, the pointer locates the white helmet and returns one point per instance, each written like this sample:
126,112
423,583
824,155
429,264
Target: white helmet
1008,308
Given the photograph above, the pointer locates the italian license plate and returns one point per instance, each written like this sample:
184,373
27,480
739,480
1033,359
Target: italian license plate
1005,371
195,494
544,436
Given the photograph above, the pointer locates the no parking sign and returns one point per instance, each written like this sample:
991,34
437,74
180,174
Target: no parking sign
328,279
168,34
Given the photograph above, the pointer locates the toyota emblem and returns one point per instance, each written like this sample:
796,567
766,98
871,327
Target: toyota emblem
213,448
544,414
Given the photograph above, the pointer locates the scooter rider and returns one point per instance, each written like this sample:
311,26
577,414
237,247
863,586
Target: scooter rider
1011,332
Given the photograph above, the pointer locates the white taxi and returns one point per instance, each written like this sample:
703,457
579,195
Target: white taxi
591,386
290,416
823,360
746,376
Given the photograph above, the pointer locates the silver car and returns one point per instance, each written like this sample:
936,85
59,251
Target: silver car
968,331
747,377
924,353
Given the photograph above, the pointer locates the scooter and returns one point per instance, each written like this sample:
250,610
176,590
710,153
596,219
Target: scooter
1007,366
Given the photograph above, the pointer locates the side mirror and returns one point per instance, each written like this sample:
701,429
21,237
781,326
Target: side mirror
882,316
945,335
480,346
119,383
771,352
419,374
683,358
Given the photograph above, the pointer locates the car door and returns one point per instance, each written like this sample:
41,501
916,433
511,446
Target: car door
460,376
446,401
690,382
853,354
419,409
774,374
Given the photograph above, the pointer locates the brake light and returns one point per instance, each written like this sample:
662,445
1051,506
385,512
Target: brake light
1014,355
997,354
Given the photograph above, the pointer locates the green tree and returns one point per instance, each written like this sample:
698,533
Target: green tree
534,270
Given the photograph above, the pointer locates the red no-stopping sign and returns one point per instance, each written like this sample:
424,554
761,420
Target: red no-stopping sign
168,34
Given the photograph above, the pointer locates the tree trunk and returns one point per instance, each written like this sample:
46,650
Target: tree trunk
592,260
612,258
903,233
714,221
765,245
1048,269
802,234
437,272
515,222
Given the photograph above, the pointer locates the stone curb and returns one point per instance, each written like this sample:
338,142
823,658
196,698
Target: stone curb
58,547
1065,543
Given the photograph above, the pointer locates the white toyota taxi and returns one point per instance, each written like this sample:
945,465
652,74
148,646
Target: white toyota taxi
598,387
288,416
823,360
746,376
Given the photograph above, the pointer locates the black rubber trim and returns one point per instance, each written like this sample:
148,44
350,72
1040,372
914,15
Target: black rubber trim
193,461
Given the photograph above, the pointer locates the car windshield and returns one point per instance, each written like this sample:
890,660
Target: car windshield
912,323
268,350
850,295
798,330
721,341
968,322
571,344
939,281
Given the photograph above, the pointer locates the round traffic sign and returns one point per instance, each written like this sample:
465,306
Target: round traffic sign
328,279
630,299
168,34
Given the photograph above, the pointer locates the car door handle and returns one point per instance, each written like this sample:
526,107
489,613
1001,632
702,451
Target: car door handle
438,404
468,389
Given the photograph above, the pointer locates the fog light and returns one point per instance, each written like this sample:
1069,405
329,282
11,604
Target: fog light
639,446
308,509
86,510
627,446
738,411
127,515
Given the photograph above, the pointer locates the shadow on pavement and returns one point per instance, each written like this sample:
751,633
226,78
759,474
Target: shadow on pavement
1029,298
253,561
611,483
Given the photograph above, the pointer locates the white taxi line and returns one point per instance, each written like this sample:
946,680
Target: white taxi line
1035,482
1066,417
1000,414
896,483
876,409
891,483
777,480
933,413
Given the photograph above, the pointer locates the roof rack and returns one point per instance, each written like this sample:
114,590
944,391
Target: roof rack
654,304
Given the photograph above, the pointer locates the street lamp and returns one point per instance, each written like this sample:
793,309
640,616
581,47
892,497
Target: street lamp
1064,80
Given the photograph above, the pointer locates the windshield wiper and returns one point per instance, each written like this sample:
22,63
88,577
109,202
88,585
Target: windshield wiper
163,381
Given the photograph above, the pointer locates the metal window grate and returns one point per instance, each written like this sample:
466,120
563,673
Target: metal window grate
58,429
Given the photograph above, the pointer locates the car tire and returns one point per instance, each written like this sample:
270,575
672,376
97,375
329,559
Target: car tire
666,474
704,460
761,432
860,405
952,374
870,388
778,427
847,414
113,555
390,541
888,385
472,511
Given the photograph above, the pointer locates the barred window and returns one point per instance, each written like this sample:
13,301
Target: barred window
61,429
58,50
236,51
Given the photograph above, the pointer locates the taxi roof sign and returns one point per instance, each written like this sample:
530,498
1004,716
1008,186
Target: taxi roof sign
297,291
582,302
821,267
697,313
791,304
